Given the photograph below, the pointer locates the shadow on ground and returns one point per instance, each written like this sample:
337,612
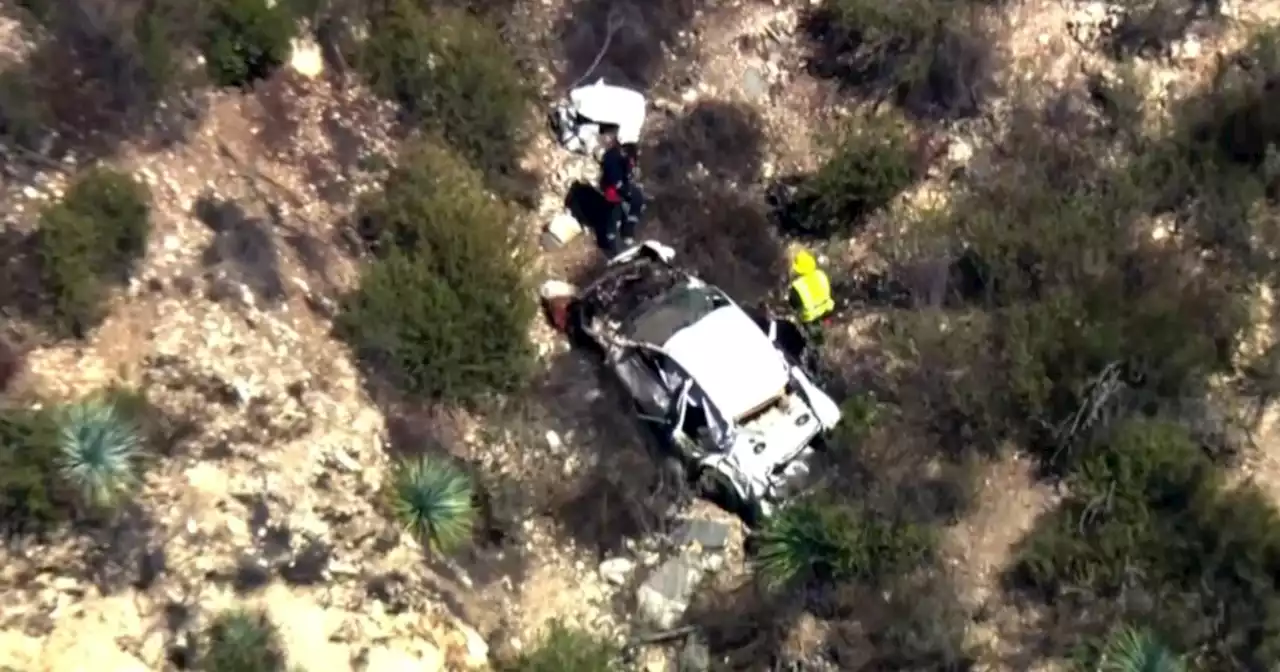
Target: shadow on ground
243,248
615,490
634,51
124,552
20,294
700,171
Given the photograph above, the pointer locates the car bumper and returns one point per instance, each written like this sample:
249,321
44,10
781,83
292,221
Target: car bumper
795,478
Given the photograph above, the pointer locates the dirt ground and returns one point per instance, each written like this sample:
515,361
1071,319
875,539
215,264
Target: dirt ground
228,320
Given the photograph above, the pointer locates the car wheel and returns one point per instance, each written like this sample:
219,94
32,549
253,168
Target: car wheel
716,488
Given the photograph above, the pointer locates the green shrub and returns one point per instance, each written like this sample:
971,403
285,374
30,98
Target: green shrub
435,501
825,541
871,165
860,415
10,364
129,54
24,111
1116,513
1061,282
242,641
1148,27
247,40
99,450
88,241
29,495
567,650
445,310
456,75
1151,523
934,56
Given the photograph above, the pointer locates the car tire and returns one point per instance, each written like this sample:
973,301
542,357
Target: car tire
714,487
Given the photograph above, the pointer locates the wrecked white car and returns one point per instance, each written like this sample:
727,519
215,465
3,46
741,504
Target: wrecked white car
736,414
576,121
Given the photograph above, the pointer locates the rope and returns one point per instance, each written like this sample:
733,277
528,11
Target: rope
612,24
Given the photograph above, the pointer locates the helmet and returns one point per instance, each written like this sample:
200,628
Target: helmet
803,263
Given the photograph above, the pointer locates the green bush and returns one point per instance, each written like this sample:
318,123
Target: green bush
242,641
934,56
445,310
1059,281
435,501
829,541
129,53
567,650
88,241
1151,523
247,40
29,495
24,111
872,163
456,75
860,415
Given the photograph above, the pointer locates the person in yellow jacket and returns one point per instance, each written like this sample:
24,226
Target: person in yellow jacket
810,293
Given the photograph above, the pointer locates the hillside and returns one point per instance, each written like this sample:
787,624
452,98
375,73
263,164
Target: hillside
284,254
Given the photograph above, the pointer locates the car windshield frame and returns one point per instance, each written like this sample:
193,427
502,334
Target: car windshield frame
663,316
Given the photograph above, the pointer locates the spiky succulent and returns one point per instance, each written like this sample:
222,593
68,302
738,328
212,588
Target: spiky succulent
790,544
820,538
433,499
1130,650
98,451
242,641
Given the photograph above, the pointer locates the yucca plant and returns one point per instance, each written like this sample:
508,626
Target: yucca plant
1130,650
98,451
242,641
433,498
816,539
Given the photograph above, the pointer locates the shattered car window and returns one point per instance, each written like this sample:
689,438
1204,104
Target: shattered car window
661,318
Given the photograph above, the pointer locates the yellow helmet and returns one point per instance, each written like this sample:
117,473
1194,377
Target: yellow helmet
803,263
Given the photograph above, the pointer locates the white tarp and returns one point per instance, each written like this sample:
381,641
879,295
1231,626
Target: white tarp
603,103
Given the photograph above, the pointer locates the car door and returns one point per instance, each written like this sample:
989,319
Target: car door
642,383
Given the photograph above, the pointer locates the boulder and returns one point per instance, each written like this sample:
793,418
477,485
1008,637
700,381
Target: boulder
664,597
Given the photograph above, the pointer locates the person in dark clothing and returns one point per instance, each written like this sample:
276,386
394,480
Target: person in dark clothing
626,200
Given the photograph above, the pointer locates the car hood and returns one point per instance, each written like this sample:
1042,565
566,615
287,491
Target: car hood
731,359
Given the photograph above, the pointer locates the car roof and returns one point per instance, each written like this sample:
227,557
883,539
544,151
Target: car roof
731,360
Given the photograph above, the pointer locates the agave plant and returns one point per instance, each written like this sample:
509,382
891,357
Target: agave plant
242,641
791,544
98,451
1130,650
433,499
824,539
